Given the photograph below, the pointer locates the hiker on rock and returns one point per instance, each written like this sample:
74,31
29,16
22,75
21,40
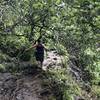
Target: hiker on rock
39,53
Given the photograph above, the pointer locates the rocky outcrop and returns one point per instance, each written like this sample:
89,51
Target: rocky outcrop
23,86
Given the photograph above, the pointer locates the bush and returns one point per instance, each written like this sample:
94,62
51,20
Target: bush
61,49
64,87
4,58
2,68
25,56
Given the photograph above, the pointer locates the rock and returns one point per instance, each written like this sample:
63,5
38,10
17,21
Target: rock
22,87
78,98
52,61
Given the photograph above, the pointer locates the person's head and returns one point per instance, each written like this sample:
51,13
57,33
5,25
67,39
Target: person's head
39,41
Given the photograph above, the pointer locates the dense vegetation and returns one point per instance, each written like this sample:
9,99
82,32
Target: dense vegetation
69,26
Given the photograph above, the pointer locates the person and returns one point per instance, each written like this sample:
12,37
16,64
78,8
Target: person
39,52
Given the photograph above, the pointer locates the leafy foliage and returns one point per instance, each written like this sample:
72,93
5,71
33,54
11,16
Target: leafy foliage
68,25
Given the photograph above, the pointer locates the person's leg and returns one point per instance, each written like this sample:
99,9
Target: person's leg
41,63
38,63
40,59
